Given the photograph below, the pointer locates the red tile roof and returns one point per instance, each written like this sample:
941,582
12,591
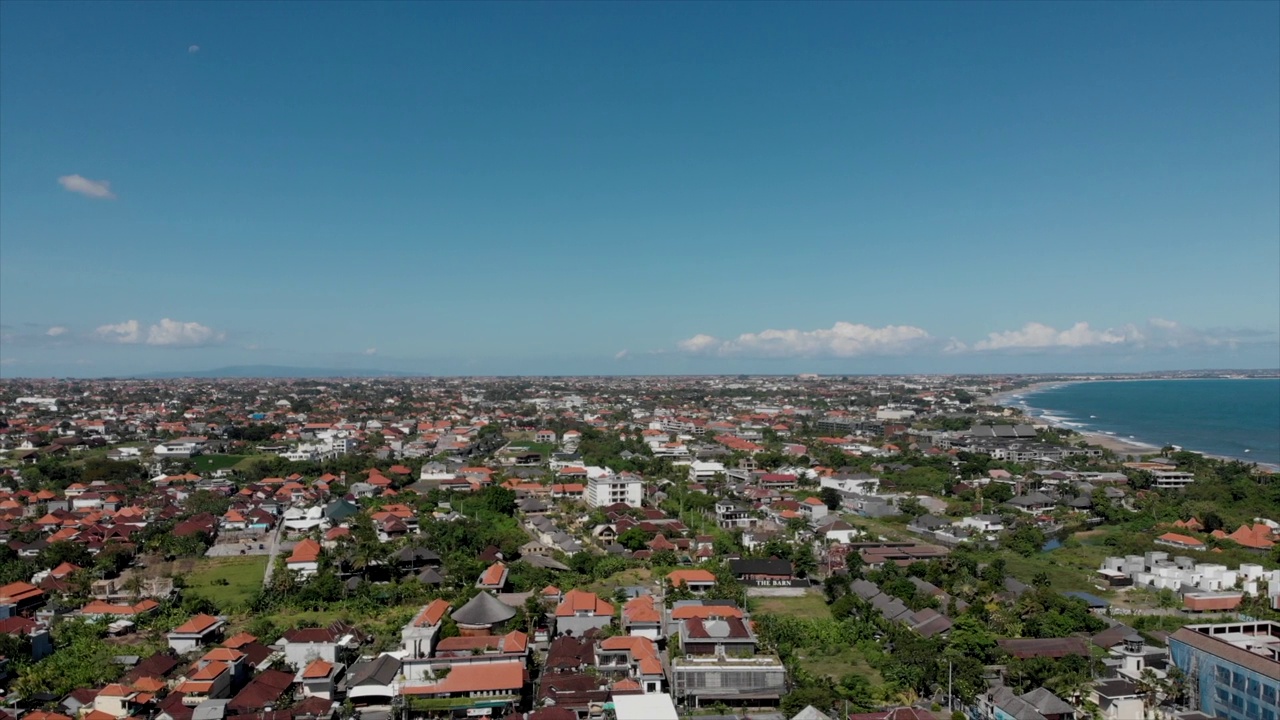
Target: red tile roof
680,577
491,677
641,610
307,551
197,625
432,613
317,669
17,592
493,575
576,601
1185,540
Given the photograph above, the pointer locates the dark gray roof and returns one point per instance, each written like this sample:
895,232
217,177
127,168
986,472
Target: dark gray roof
430,576
340,510
929,521
1014,706
416,554
1032,498
483,609
1046,703
381,670
756,566
925,586
864,589
545,562
1116,689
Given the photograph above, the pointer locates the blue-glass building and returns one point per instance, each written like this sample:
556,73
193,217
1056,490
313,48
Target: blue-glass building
1232,669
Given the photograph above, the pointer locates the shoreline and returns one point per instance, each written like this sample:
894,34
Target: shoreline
1117,444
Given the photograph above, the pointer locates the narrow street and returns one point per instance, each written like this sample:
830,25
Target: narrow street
272,551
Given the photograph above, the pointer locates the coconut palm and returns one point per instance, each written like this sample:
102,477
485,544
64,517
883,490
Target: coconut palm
1151,687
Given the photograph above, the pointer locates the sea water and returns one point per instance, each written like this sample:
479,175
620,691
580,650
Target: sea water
1236,418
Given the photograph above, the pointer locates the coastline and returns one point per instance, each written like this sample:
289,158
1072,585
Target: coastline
1119,445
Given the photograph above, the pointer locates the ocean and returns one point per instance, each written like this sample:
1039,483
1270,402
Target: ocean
1234,418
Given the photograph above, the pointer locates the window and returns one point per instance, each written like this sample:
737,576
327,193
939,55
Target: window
1255,688
1224,675
1269,694
1237,681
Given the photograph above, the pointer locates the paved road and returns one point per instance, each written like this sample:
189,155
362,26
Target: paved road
273,549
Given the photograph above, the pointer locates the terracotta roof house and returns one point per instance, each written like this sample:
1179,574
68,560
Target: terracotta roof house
195,633
21,598
1180,541
305,557
418,636
1258,537
493,578
513,643
98,608
581,611
491,681
319,679
637,656
641,618
697,581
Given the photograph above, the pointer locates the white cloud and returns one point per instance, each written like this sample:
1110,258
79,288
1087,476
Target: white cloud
1154,334
167,332
193,49
1036,335
127,332
840,340
698,344
173,332
371,351
621,354
100,189
55,331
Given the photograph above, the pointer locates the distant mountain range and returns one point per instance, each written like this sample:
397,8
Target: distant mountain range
274,371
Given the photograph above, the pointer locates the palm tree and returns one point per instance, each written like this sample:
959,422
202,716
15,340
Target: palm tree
1151,687
907,697
1175,684
134,586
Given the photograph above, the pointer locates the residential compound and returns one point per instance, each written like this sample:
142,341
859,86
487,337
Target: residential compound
1203,587
587,548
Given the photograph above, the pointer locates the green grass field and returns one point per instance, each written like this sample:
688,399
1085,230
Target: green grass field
606,587
810,605
210,463
848,660
243,576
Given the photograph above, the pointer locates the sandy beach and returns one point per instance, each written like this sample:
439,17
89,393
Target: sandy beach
1121,446
1002,398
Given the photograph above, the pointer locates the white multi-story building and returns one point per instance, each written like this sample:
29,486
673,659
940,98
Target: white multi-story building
700,471
1172,479
604,488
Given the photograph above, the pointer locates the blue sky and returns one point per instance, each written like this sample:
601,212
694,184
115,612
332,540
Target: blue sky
658,187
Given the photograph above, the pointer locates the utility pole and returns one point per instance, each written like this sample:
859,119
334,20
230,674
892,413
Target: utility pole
950,695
